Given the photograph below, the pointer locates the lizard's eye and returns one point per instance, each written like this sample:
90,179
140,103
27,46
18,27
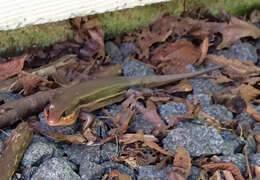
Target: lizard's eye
63,114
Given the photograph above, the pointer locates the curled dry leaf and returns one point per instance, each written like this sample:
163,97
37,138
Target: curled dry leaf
12,67
232,102
204,46
234,68
253,113
182,165
255,16
73,139
148,140
150,114
257,171
228,175
221,79
225,166
173,57
147,38
182,86
234,30
248,92
139,136
115,173
155,146
216,176
33,83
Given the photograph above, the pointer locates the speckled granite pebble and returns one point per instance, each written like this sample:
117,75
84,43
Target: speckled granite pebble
243,51
55,169
219,112
133,68
197,139
113,51
172,108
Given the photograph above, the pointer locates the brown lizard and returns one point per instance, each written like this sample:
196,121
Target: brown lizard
91,95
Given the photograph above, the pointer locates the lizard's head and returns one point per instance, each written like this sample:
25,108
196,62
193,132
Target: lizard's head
56,115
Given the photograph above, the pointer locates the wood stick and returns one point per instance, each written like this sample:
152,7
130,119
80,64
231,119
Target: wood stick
14,150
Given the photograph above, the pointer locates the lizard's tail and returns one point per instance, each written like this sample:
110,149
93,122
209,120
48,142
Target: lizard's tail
155,81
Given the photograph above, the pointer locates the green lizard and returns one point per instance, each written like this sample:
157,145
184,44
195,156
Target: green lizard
91,95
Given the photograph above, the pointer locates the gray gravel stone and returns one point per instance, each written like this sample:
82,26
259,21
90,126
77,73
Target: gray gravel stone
138,123
36,153
55,169
113,51
10,96
219,112
256,128
80,153
251,144
136,68
127,49
231,143
1,145
244,121
229,147
203,86
28,173
196,139
151,173
194,173
243,51
204,99
91,171
107,150
172,108
238,159
5,133
254,159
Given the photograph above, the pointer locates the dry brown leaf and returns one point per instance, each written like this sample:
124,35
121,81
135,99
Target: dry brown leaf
257,138
228,175
216,176
182,86
116,173
204,46
221,79
73,139
253,113
182,165
225,166
173,57
234,68
257,171
33,83
234,30
155,146
12,67
160,98
139,136
89,135
147,38
255,16
150,114
232,102
252,80
248,92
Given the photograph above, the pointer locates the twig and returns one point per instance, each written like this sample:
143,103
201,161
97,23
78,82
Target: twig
14,150
13,111
247,164
46,70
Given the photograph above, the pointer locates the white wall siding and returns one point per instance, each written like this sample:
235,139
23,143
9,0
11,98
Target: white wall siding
20,13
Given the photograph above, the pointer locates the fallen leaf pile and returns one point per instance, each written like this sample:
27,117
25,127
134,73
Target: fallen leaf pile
170,45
